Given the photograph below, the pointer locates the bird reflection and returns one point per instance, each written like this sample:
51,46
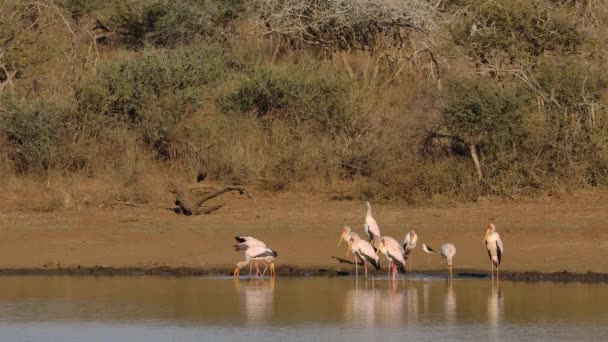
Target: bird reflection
361,306
392,303
258,298
370,306
449,302
426,295
412,304
495,311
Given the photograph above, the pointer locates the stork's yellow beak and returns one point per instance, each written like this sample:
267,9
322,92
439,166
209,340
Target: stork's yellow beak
379,247
341,237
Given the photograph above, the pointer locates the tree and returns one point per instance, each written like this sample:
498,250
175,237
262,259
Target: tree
480,114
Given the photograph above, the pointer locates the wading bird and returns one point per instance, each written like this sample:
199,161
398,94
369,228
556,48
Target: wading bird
244,243
364,251
258,253
371,227
494,246
448,251
346,235
409,243
429,251
393,252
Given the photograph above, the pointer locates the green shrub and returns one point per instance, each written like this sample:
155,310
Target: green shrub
570,83
37,135
519,28
165,23
305,94
479,112
154,92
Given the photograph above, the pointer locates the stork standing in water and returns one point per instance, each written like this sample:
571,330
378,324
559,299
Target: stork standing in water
429,251
448,251
257,253
346,235
371,227
409,243
494,246
364,251
244,243
393,253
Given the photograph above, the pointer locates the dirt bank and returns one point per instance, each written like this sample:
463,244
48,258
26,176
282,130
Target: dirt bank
541,237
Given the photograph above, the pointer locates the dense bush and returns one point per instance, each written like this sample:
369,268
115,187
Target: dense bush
165,23
518,29
302,95
38,136
479,112
154,92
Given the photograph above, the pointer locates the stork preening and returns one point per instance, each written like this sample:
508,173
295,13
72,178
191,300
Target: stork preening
409,243
245,242
494,247
363,251
255,254
393,253
371,227
448,251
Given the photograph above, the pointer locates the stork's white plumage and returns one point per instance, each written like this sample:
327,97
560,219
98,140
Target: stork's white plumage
409,243
429,251
364,251
371,227
245,242
448,251
393,253
494,247
257,253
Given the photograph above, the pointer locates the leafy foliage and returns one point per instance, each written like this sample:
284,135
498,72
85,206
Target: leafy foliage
37,135
165,23
154,92
302,94
518,29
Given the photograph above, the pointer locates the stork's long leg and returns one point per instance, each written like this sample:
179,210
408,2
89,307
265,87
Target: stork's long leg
365,267
496,274
257,269
265,268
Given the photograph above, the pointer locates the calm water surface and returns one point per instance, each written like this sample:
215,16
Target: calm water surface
138,308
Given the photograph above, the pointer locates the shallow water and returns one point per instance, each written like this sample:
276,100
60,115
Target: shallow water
139,308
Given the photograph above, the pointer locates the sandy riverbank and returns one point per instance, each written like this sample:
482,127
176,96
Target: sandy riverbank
540,236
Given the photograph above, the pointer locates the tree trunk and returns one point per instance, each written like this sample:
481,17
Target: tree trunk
473,149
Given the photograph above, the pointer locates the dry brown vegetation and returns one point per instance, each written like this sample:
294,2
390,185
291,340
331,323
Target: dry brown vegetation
409,100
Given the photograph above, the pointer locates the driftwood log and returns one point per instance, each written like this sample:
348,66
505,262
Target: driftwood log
191,202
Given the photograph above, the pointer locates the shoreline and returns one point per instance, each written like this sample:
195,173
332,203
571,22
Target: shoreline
556,240
295,271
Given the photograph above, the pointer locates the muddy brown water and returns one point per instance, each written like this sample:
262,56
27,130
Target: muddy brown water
154,308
